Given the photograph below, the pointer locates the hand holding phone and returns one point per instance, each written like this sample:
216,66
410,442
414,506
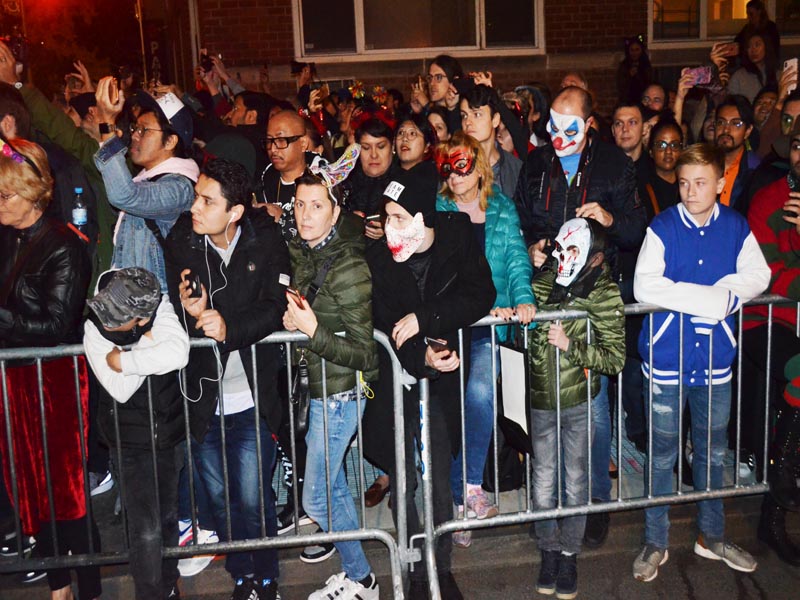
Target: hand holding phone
195,286
790,65
437,344
295,295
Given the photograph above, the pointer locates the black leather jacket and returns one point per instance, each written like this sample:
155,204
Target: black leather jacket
44,275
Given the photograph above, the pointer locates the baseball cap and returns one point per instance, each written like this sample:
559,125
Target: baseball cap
131,293
173,110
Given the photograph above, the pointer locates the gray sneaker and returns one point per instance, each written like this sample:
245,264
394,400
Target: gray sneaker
645,567
731,554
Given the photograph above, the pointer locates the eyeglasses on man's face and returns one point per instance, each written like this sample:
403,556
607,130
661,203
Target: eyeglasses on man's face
140,130
281,143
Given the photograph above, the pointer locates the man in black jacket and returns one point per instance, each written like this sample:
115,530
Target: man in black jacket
243,266
582,176
430,279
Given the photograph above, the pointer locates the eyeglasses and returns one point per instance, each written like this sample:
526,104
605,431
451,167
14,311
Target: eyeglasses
647,100
437,77
735,123
662,146
138,129
7,197
281,143
409,134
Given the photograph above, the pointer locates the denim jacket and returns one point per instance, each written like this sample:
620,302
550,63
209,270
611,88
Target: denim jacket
162,200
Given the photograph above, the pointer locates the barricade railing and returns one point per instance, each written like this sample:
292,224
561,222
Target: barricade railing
399,553
621,502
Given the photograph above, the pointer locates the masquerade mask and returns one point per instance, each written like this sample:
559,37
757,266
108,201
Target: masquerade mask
404,242
459,161
566,132
572,246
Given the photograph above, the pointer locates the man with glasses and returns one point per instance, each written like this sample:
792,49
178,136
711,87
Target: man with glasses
733,124
286,148
654,97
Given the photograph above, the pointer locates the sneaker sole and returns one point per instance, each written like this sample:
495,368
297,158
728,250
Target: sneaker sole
491,512
102,488
706,553
305,520
566,595
317,559
195,565
545,591
663,561
35,576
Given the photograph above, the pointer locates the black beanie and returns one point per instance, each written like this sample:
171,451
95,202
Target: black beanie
415,190
82,102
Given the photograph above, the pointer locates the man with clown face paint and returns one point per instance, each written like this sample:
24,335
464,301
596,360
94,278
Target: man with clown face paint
579,175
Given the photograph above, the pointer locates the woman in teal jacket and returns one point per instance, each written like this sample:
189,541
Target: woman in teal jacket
468,188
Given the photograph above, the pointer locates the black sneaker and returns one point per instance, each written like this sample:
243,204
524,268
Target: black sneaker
268,590
32,576
286,519
8,545
596,530
245,589
567,581
548,572
317,553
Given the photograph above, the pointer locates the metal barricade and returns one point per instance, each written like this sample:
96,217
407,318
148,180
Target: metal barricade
432,533
400,555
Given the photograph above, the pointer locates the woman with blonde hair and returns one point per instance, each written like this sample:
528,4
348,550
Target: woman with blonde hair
468,187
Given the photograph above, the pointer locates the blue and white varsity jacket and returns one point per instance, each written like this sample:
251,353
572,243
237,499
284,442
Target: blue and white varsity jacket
706,272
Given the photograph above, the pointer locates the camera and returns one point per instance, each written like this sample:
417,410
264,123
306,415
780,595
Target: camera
206,63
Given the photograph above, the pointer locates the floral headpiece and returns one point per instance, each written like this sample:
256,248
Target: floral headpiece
382,114
357,90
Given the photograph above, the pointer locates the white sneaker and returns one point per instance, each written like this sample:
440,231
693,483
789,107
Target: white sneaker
100,483
340,587
189,567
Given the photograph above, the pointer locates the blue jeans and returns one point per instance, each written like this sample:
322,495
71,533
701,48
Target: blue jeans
563,534
601,442
245,509
478,417
711,518
343,417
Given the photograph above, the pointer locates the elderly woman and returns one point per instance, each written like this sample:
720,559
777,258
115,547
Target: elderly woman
328,254
44,275
468,188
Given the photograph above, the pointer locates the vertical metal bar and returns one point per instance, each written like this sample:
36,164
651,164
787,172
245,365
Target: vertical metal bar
188,457
153,443
400,483
559,482
739,374
589,423
12,466
495,448
528,464
462,402
328,474
681,442
223,449
292,441
46,448
360,441
708,408
767,391
619,438
122,483
259,449
82,444
650,411
427,489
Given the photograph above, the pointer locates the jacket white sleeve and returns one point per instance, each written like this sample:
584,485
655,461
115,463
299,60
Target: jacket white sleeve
120,386
165,349
752,275
650,286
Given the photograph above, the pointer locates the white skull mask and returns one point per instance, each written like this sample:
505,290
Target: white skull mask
572,246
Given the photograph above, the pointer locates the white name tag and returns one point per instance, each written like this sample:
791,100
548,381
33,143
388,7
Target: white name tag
393,190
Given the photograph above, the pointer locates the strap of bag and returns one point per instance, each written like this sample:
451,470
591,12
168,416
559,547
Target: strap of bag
316,285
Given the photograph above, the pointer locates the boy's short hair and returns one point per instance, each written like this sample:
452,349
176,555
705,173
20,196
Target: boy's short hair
702,154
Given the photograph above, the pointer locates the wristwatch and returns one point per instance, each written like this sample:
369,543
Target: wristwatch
106,128
18,85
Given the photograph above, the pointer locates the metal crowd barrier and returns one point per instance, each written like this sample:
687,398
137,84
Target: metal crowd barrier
401,550
529,515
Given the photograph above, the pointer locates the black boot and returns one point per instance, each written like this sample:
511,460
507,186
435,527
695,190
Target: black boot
783,461
772,531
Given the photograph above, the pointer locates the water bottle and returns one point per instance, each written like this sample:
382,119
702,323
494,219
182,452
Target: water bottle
79,215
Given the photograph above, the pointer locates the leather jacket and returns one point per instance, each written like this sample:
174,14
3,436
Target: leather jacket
44,275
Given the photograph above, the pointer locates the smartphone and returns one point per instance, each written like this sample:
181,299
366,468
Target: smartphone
113,92
206,63
297,297
375,217
730,49
790,64
700,75
195,287
436,344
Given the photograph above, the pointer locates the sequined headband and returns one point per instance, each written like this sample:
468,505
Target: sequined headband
6,149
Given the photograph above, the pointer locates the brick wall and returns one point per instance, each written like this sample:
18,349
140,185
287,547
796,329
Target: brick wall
585,26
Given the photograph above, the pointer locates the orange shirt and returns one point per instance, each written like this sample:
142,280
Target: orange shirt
730,176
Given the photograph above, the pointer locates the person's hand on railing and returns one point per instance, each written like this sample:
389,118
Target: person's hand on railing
525,312
405,329
444,361
557,337
213,325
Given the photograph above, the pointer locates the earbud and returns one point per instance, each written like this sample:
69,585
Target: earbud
233,216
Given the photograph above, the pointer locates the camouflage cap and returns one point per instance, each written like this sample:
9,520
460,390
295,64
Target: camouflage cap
131,293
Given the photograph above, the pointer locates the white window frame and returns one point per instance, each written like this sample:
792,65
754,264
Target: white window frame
703,41
361,53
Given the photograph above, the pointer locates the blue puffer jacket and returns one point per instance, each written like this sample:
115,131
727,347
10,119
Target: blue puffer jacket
505,252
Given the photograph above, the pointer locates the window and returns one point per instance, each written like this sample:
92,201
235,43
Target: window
715,19
378,27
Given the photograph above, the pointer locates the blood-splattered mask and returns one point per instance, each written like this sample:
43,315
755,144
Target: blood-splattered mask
572,247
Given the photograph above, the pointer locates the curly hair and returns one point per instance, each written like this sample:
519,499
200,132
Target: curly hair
21,177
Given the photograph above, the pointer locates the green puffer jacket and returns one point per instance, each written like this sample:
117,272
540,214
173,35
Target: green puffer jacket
606,353
343,304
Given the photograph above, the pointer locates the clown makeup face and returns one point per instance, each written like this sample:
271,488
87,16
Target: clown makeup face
460,161
567,133
572,246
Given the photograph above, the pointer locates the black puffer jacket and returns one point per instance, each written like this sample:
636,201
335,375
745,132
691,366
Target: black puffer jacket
251,299
606,176
364,193
44,275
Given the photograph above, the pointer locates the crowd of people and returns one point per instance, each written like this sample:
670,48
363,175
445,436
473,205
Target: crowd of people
229,214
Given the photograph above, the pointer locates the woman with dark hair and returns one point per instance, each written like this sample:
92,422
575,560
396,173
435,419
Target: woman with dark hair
635,72
362,191
44,275
666,143
437,117
758,21
414,141
538,96
331,240
759,68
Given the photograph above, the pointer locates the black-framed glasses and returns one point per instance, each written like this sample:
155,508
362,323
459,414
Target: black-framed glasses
281,143
138,129
735,123
437,77
662,145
